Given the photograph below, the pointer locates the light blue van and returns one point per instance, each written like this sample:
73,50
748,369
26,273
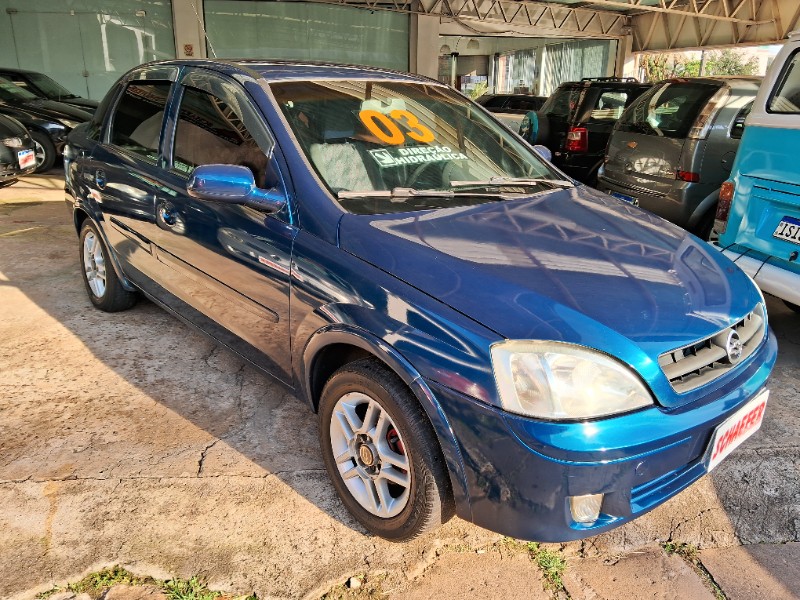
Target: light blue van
758,216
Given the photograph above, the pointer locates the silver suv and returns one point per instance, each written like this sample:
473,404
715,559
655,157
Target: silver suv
674,146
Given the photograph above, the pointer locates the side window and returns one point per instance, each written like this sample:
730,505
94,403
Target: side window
136,124
785,97
17,80
210,131
737,129
609,106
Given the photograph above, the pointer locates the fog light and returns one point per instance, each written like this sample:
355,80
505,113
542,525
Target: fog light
585,509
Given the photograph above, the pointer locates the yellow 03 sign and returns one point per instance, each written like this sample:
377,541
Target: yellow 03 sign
387,130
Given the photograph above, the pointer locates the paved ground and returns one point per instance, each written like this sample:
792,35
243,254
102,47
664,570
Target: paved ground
130,439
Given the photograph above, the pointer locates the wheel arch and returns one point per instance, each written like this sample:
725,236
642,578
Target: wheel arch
79,216
336,345
709,203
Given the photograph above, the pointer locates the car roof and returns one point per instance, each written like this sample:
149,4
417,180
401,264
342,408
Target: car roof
284,70
747,81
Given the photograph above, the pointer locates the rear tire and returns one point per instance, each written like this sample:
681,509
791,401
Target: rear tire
382,454
102,284
45,151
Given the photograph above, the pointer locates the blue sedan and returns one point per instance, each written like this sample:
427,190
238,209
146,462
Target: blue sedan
478,334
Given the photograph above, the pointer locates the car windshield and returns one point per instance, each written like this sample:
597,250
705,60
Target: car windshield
49,87
668,109
13,93
383,146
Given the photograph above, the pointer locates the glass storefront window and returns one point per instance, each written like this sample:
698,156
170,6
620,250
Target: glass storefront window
307,31
85,45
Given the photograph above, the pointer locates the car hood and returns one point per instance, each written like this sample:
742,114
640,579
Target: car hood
49,109
572,265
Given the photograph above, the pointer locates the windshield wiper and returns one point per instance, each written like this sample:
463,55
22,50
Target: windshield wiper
399,193
513,181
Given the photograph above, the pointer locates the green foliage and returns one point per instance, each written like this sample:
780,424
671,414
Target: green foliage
730,62
96,584
192,589
551,563
718,62
690,553
479,90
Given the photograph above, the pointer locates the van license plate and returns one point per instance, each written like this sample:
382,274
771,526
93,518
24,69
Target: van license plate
788,229
623,197
737,428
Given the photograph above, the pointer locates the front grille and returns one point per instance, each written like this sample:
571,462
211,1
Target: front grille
697,364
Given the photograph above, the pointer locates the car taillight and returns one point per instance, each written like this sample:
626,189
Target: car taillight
577,139
726,191
688,176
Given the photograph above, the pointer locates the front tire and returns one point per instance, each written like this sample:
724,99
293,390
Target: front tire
382,454
45,151
102,284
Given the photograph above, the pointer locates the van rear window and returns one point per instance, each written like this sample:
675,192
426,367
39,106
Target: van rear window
668,109
785,97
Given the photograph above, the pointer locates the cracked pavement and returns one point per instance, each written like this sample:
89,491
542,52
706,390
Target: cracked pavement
132,439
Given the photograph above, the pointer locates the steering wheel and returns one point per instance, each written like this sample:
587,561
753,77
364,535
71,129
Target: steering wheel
418,171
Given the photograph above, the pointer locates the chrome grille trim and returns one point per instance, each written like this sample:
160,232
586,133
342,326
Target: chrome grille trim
695,365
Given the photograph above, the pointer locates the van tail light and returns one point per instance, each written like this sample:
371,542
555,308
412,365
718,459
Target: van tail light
577,139
724,206
688,176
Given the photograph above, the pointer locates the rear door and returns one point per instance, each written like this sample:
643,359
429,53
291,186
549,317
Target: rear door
123,171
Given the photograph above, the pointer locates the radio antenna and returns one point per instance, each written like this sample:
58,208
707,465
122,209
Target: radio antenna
203,29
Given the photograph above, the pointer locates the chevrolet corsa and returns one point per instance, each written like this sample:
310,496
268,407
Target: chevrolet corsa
478,334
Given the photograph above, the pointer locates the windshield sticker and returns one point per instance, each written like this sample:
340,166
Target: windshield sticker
386,129
395,157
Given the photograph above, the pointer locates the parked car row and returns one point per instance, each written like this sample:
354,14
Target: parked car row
666,147
45,111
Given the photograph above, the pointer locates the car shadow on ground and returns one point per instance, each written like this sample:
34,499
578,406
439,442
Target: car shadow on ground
217,416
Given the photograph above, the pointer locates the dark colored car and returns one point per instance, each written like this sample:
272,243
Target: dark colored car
478,335
511,108
576,122
48,122
675,145
17,156
46,87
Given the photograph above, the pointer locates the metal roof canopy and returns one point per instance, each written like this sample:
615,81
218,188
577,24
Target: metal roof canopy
654,24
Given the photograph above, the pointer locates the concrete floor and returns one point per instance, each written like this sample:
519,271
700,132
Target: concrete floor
130,439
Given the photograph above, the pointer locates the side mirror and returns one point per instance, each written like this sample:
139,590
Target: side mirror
544,152
233,184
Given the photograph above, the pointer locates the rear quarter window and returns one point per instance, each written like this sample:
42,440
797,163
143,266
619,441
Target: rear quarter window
609,106
785,98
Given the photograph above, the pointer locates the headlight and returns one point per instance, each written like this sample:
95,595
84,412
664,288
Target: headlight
13,142
552,380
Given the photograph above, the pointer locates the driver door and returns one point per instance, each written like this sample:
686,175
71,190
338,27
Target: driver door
228,261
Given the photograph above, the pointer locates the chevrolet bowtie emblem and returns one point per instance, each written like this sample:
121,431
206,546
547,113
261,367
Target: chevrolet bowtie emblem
632,145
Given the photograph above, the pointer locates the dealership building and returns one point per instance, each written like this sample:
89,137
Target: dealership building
508,45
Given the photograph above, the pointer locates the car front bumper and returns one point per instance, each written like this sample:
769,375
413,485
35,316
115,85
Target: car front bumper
521,472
